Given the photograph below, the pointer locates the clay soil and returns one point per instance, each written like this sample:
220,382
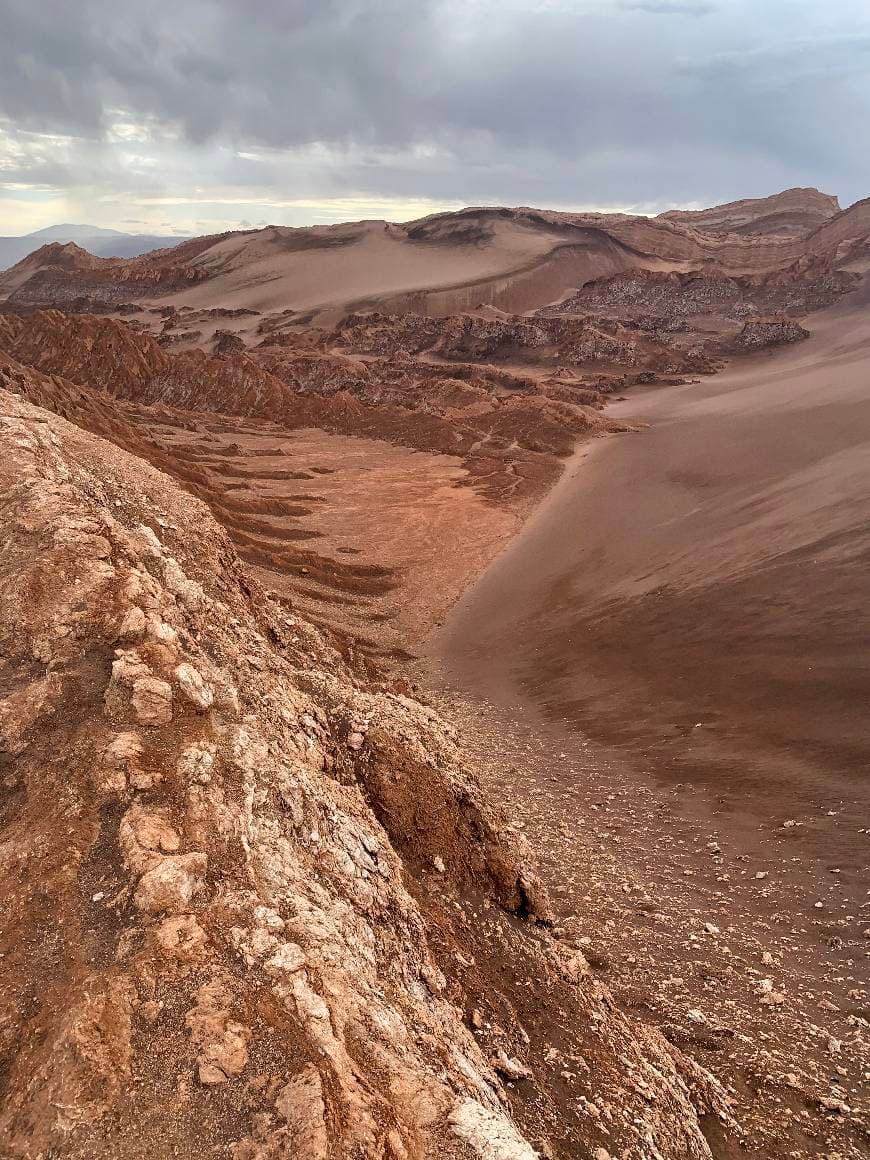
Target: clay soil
358,535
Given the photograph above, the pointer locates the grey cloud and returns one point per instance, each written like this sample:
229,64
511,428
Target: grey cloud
670,7
565,103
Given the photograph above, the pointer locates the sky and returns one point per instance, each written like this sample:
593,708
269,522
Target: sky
194,116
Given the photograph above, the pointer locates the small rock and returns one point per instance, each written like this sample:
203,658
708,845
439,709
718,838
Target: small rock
181,937
172,884
774,999
511,1068
209,1074
286,960
152,701
193,687
833,1105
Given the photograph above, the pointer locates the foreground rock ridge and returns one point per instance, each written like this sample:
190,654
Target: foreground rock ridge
247,895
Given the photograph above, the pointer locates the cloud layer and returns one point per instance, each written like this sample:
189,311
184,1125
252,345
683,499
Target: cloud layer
204,112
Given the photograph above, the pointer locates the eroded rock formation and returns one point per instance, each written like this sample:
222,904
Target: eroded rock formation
224,862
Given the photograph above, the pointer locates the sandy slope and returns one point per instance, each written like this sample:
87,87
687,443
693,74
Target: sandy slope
510,259
514,259
670,664
708,569
278,268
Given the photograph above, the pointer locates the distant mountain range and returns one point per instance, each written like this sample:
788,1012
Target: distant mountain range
103,243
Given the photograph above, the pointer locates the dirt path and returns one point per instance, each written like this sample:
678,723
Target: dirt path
665,677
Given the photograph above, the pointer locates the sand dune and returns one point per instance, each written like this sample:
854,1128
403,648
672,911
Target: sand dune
710,568
514,260
510,259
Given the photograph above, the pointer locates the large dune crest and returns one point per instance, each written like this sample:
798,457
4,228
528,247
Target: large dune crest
514,259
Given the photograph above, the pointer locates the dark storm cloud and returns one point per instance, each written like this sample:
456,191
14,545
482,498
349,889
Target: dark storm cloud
571,103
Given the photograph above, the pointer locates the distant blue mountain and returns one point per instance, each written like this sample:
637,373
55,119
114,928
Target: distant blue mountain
104,243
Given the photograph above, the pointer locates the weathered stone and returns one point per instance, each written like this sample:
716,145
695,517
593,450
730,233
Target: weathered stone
152,701
172,884
144,835
300,1104
223,1042
287,959
133,625
193,687
489,1133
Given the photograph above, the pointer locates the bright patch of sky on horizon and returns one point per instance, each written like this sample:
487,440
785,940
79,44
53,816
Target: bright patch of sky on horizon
204,115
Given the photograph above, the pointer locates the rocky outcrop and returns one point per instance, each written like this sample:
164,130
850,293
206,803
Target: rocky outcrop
509,433
58,274
788,214
758,333
550,339
225,342
673,298
221,930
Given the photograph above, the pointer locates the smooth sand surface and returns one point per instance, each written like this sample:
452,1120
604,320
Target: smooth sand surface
698,591
368,259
